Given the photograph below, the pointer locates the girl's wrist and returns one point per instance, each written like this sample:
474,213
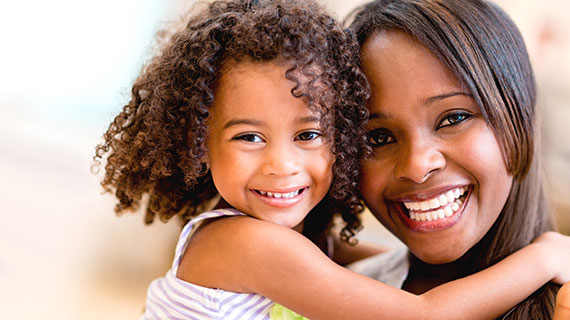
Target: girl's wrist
544,253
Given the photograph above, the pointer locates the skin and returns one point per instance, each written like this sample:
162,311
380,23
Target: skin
428,137
274,146
257,146
562,310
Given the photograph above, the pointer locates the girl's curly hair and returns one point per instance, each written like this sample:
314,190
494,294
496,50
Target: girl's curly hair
156,146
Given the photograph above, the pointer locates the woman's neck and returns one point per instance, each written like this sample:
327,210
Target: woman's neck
423,276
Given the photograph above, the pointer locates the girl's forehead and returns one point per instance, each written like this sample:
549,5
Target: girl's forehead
307,82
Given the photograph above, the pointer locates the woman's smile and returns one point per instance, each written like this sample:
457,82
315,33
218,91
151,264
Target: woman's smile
435,213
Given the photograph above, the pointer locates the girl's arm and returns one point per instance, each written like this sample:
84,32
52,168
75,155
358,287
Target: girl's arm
242,254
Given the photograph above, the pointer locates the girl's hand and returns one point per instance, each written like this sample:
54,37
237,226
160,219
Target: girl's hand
562,310
557,255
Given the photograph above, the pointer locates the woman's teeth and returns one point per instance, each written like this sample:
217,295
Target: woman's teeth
280,195
439,207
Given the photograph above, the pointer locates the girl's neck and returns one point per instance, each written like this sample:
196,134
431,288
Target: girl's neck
222,204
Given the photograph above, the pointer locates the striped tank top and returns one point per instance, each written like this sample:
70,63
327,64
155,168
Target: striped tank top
171,298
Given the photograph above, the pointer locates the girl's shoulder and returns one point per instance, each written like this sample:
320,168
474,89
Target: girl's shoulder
224,250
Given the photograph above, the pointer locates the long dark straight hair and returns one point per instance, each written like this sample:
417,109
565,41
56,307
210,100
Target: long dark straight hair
486,52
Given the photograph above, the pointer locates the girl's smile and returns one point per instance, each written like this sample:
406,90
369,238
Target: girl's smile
281,198
437,179
267,154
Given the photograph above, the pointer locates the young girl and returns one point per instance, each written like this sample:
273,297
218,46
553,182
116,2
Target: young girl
256,109
453,108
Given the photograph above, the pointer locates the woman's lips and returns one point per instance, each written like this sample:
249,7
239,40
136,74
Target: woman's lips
282,199
439,212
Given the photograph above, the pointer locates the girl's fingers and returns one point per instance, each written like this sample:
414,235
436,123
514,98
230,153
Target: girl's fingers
562,311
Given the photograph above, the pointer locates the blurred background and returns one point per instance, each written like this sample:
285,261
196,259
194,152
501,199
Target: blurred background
66,67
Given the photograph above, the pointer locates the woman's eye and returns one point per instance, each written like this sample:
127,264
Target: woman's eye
454,118
308,135
249,137
379,137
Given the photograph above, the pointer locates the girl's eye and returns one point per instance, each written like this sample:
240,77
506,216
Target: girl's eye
308,135
379,137
249,137
453,119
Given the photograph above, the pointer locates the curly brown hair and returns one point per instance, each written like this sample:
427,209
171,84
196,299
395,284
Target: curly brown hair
155,147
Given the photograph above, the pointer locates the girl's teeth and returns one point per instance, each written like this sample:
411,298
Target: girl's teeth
278,195
438,207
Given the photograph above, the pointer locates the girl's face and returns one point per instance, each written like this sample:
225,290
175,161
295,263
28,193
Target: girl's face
266,153
437,179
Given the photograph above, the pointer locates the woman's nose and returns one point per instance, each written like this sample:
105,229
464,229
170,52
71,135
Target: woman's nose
418,160
280,159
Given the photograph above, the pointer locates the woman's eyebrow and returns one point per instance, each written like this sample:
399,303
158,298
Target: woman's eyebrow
438,97
430,100
377,115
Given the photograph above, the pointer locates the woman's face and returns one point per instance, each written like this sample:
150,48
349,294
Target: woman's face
437,179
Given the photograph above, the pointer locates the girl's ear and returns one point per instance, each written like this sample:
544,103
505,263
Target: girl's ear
205,164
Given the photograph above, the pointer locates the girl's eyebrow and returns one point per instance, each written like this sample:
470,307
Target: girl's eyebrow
433,99
235,122
309,119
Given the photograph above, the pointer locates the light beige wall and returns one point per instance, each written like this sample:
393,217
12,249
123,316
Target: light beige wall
63,253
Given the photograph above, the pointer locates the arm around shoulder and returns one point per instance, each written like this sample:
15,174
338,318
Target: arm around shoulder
254,256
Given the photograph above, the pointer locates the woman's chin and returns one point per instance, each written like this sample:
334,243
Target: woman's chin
437,257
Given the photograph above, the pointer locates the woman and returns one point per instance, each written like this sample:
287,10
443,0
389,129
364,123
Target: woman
454,171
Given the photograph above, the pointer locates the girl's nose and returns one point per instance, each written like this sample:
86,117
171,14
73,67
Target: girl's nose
419,160
280,159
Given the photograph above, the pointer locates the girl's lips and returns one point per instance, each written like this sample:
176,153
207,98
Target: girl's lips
441,220
282,199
